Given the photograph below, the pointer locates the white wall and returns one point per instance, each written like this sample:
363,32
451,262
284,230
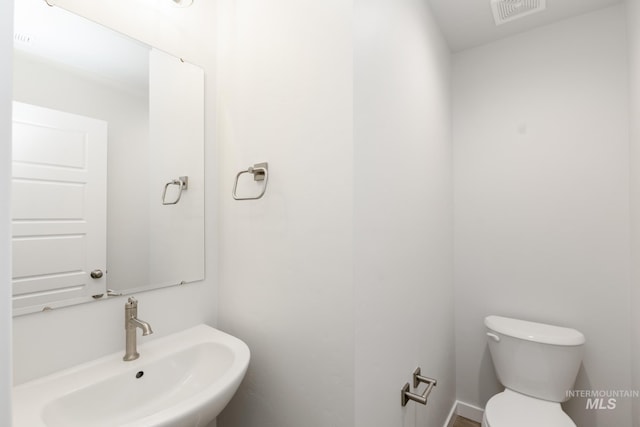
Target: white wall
542,198
6,52
633,26
403,213
91,330
337,321
286,91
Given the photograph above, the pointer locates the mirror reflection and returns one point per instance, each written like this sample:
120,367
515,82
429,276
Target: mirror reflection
108,173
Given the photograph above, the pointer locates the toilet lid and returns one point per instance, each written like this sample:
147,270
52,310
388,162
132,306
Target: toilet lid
508,409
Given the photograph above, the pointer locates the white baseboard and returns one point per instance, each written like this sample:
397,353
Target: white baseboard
451,419
464,410
469,411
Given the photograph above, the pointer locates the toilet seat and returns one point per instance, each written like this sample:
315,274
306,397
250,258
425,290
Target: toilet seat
509,408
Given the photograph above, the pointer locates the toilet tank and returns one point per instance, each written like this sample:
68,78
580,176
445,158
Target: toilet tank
535,359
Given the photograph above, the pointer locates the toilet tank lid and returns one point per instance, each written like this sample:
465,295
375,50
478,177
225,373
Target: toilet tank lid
532,331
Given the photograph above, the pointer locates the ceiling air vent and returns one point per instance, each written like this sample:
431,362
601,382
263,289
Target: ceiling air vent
508,10
22,38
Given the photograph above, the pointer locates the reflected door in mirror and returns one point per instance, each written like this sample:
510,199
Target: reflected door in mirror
59,197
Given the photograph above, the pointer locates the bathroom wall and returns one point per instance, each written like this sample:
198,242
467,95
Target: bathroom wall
336,320
91,330
6,53
633,26
542,199
286,97
403,213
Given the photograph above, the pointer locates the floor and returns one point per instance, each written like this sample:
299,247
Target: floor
463,422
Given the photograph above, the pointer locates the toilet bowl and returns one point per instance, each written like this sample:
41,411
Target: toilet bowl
538,365
510,408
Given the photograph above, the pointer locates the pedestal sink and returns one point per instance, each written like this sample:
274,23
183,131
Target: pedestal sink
182,380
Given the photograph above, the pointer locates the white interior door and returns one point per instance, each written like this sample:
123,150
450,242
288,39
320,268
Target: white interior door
59,209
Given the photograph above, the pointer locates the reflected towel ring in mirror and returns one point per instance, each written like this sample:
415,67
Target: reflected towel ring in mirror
182,183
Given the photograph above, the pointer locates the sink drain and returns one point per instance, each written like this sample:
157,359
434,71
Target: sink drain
139,374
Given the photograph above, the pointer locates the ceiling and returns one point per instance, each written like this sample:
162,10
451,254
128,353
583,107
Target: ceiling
469,23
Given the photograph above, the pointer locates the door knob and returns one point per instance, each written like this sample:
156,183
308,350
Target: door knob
96,274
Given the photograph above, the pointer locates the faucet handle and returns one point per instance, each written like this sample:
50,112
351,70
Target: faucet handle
131,303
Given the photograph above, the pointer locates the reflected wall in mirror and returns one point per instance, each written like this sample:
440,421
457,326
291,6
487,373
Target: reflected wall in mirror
108,169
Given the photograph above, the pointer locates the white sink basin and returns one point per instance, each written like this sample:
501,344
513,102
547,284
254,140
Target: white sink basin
182,380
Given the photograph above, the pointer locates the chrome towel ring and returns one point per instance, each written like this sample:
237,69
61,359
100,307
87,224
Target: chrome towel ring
183,184
260,172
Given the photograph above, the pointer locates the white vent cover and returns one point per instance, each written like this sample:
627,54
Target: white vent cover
508,10
22,38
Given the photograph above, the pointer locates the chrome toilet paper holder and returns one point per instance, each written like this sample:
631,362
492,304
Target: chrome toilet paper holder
406,395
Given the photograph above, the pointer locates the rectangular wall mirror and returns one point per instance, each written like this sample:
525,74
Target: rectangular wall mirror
108,169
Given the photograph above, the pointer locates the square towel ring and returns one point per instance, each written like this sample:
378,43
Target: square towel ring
260,172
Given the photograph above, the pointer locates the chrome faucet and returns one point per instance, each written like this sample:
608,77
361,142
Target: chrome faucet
131,323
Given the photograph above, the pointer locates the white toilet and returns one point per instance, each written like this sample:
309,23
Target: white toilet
537,364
